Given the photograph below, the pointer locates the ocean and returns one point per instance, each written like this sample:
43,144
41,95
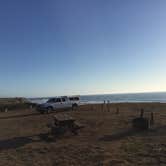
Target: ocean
115,98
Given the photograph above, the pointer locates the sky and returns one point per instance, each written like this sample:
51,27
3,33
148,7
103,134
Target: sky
68,47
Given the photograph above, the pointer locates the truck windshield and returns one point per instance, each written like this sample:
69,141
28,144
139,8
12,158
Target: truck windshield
58,100
51,101
63,99
74,98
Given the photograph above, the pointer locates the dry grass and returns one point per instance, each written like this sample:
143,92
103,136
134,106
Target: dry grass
107,138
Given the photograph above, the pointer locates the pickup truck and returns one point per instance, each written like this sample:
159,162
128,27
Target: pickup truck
63,102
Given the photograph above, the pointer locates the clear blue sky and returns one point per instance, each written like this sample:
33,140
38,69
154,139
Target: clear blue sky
58,47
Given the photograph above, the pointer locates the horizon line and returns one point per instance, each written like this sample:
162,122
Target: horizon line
91,94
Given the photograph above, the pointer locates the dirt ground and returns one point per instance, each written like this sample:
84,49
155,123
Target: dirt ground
106,140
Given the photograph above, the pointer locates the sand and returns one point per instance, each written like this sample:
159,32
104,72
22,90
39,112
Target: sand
106,139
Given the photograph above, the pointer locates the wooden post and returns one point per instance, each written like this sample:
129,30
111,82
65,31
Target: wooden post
6,109
151,119
117,111
94,106
108,104
91,108
104,105
142,113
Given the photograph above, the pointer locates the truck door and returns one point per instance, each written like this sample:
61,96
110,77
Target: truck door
57,103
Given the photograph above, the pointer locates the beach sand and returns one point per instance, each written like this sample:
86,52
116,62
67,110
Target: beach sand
106,140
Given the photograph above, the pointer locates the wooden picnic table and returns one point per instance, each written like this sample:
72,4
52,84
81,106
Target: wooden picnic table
64,123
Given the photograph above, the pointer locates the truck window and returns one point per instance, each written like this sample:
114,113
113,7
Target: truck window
71,98
63,99
51,101
76,98
58,100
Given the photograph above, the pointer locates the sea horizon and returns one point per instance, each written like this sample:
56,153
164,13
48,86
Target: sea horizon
114,97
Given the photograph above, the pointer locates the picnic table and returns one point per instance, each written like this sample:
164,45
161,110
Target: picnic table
64,123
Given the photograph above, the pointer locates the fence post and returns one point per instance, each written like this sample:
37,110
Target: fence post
142,113
151,119
31,106
92,107
117,110
108,105
6,109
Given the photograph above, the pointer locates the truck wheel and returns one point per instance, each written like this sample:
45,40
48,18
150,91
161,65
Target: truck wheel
41,112
74,106
49,110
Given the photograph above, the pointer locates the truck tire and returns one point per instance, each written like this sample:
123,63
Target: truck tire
41,112
74,106
49,110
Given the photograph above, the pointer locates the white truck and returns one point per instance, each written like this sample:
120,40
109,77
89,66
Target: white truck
62,102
